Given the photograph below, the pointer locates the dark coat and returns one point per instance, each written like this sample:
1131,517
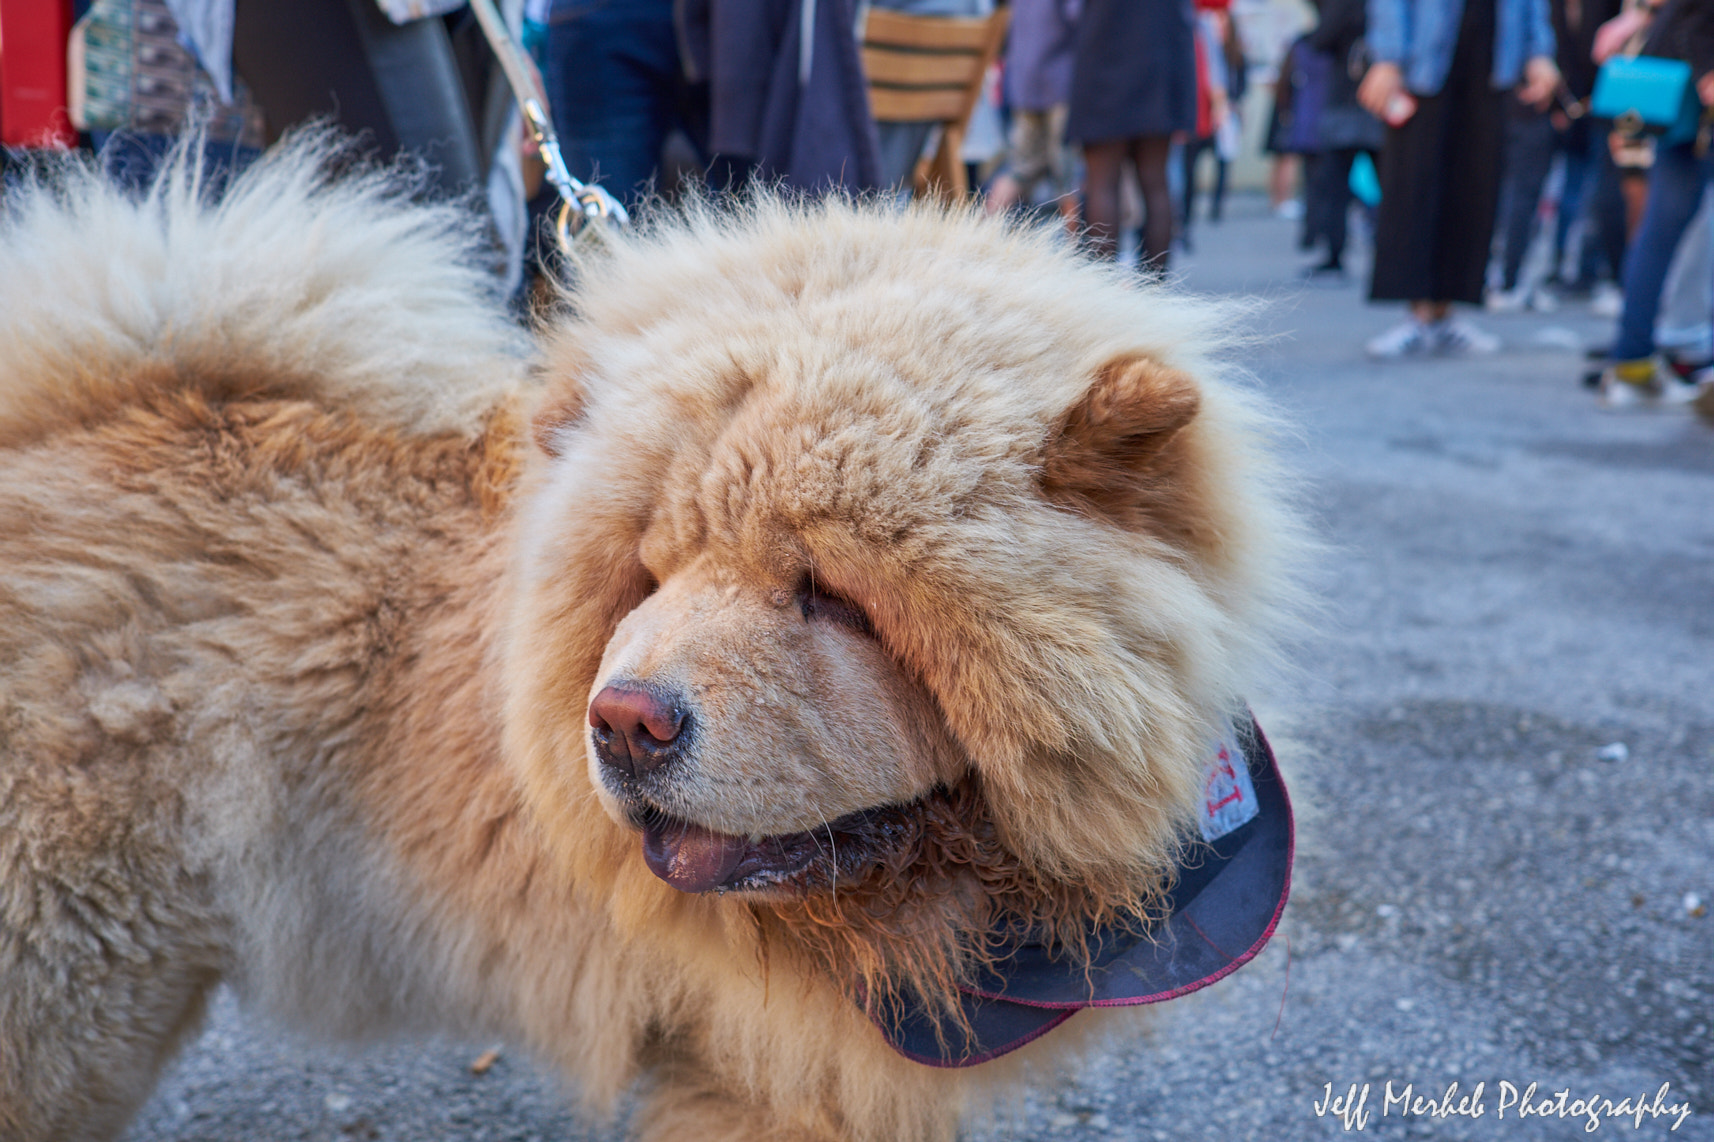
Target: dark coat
1135,71
1684,29
810,131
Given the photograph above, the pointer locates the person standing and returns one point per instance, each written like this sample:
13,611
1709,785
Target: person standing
1223,74
1440,71
1344,130
1039,53
1682,171
1533,138
1133,86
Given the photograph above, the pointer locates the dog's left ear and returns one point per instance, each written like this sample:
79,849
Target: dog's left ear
1108,444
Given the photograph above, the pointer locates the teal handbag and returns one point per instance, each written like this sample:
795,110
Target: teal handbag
1647,95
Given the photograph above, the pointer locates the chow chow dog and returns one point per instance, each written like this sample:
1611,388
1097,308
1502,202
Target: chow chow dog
703,694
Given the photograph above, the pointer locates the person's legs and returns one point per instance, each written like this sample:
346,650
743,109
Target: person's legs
1282,181
1604,208
1436,220
1309,222
1675,191
1575,147
613,77
1331,197
1029,161
1408,218
899,147
1102,164
1402,269
1316,206
1149,153
1529,142
1464,235
1191,152
1060,160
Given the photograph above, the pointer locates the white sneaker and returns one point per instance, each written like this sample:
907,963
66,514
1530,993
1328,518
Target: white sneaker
1608,300
1458,338
1543,300
1409,338
1291,210
1621,394
1506,300
1676,390
1645,383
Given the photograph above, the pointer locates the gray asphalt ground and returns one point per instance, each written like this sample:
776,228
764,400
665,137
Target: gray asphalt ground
1514,581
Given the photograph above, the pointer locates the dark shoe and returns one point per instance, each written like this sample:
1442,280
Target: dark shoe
1686,368
1326,273
1595,362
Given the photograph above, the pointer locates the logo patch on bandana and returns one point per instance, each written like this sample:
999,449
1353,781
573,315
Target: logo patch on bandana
1228,797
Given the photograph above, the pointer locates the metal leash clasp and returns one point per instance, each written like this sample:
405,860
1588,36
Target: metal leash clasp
581,203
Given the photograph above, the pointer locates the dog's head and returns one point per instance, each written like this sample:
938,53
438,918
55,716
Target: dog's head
904,561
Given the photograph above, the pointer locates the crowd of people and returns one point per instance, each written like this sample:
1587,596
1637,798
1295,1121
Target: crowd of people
1447,124
1470,105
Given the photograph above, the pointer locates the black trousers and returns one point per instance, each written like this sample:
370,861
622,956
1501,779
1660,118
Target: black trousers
1327,195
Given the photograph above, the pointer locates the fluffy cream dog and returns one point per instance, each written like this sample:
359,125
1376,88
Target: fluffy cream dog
852,586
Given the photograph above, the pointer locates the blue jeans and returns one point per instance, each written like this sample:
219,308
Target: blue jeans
1531,143
1579,178
1676,184
133,158
617,88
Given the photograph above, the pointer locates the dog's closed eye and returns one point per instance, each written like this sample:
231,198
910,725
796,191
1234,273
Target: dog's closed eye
819,605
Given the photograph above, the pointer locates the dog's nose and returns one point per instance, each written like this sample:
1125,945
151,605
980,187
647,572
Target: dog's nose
636,730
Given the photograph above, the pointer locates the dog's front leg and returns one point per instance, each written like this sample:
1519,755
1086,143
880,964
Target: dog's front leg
690,1104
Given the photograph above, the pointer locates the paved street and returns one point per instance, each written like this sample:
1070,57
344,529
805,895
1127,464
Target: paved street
1514,582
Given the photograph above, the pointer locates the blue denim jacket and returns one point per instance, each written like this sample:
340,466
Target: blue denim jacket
1419,36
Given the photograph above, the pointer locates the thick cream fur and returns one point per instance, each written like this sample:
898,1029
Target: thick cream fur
298,628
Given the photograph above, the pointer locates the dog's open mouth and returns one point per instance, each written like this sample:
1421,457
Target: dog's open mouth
693,858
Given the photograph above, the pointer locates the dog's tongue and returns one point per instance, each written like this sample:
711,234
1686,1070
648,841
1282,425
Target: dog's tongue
690,857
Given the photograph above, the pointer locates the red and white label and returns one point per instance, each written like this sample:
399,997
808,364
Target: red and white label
1228,797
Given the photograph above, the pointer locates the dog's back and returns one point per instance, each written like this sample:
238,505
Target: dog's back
222,430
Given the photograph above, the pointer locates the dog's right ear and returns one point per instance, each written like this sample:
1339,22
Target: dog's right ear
563,403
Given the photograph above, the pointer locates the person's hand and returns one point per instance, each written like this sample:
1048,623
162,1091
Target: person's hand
1541,80
1380,83
1705,88
1611,36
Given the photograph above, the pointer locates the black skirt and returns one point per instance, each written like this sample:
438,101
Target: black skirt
1135,71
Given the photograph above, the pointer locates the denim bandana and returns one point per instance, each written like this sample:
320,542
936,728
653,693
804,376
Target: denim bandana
1230,890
